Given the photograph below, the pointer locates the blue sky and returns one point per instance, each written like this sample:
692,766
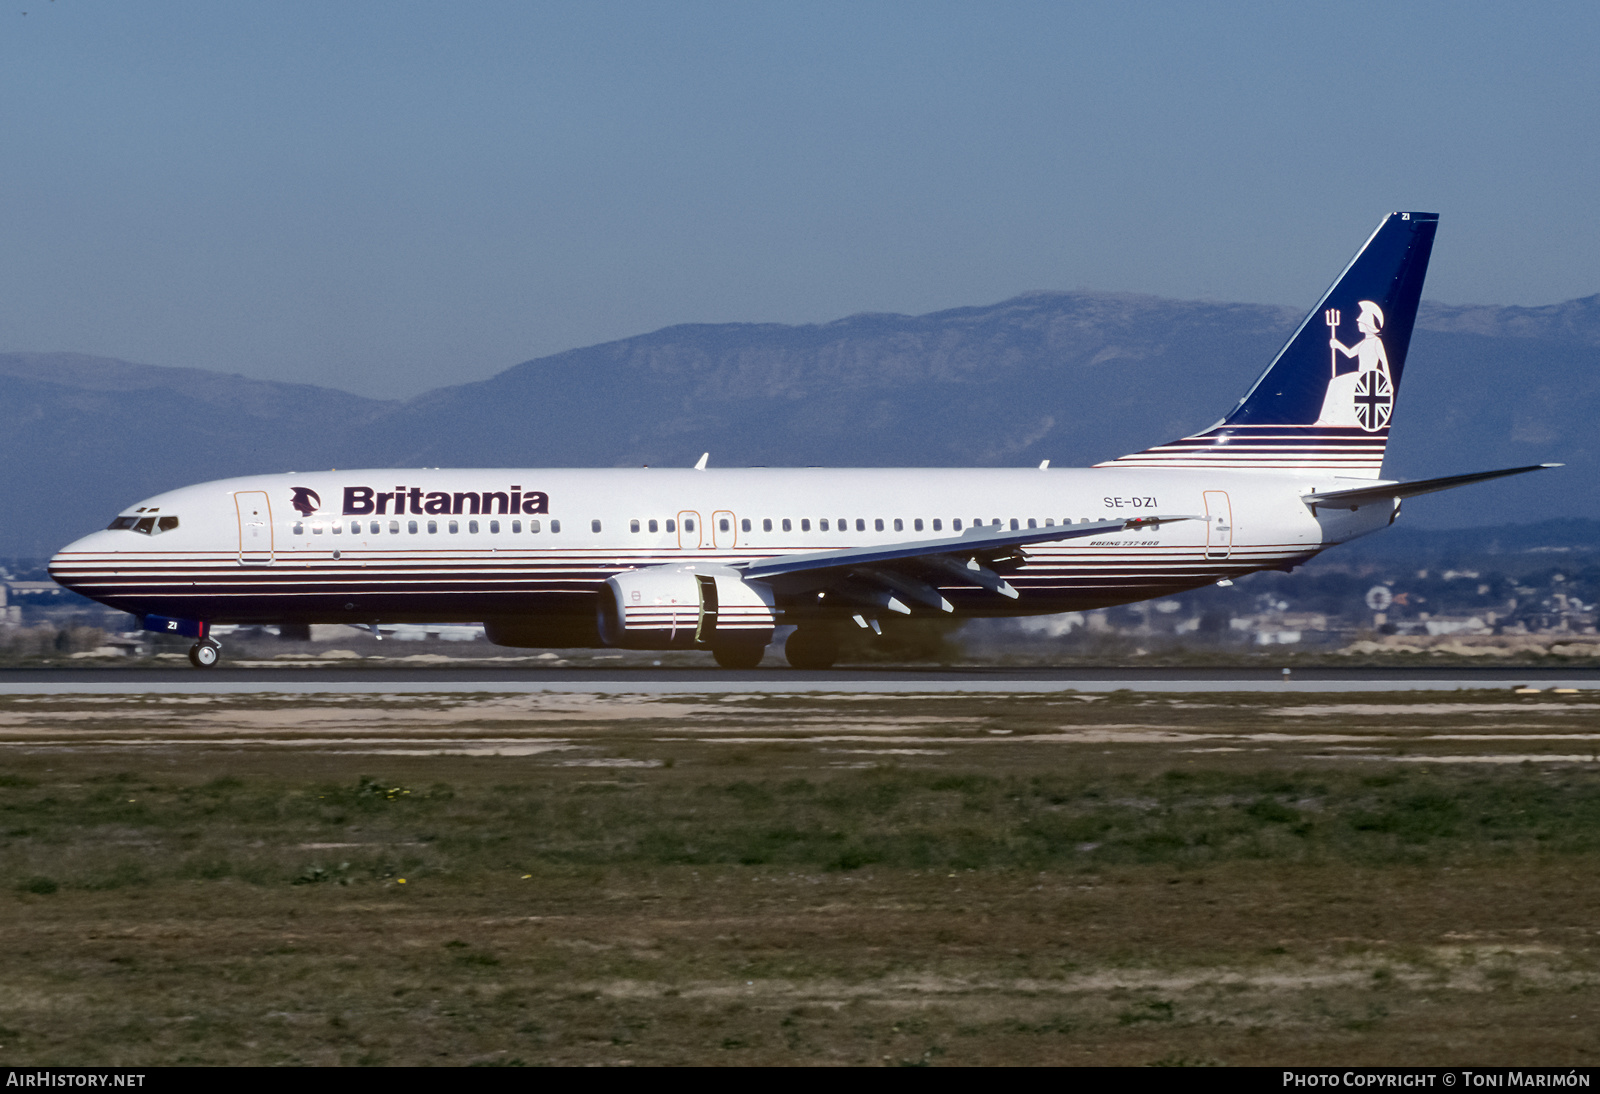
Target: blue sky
389,197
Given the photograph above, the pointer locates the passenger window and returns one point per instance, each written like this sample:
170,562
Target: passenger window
861,525
555,526
433,527
899,525
298,529
454,526
594,526
672,526
653,527
533,526
688,526
411,526
633,526
916,525
744,525
823,524
336,528
166,524
1049,522
472,527
1015,527
723,523
516,526
955,524
786,525
494,528
316,527
877,525
394,527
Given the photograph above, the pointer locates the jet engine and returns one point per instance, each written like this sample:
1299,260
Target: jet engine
685,607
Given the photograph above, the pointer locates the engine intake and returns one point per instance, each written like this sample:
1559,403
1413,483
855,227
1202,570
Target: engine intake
685,607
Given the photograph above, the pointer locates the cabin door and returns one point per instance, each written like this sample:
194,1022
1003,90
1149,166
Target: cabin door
255,527
724,530
1219,524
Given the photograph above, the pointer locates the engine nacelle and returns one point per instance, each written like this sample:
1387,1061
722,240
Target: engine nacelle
685,607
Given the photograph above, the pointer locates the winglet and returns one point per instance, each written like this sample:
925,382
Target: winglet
700,464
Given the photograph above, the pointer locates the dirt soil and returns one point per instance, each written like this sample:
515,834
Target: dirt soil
899,880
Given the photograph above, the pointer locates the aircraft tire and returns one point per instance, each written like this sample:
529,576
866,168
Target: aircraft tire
743,656
811,648
204,655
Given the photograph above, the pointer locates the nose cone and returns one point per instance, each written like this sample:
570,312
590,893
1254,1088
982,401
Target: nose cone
71,566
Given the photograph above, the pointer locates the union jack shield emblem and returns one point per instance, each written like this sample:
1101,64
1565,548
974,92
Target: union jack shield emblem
1374,398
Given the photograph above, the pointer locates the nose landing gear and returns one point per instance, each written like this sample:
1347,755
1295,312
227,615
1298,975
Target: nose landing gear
205,653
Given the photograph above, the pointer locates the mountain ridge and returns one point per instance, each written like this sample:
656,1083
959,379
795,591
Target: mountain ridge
1075,377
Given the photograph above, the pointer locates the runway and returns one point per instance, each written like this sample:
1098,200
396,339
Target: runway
291,680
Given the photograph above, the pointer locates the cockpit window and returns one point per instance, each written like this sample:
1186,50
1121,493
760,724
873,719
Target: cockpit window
148,526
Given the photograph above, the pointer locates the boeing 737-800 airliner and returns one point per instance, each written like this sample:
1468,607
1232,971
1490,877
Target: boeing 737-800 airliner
717,559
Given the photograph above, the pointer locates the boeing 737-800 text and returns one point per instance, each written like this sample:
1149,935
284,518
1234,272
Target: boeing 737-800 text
717,559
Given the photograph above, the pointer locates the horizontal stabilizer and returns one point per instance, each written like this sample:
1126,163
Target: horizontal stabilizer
985,539
1366,495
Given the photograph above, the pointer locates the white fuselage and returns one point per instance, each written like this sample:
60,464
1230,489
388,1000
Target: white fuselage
242,553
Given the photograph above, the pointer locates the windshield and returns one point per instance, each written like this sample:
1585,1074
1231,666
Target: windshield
148,526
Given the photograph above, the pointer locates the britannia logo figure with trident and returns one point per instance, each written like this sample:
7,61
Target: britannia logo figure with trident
1364,397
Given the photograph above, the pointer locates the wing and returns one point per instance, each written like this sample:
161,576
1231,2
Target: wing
880,576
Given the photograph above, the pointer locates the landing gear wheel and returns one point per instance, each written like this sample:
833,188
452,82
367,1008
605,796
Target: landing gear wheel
739,657
204,655
812,648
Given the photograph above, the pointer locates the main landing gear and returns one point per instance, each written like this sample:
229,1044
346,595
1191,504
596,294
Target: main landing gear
812,648
743,655
205,653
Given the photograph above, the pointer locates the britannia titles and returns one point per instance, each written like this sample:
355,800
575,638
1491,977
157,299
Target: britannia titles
360,501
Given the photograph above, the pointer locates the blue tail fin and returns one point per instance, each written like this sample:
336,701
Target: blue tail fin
1327,398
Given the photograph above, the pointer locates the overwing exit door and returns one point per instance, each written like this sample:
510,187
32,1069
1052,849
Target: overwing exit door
255,527
691,530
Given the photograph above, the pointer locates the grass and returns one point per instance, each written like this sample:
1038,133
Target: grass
857,880
107,831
